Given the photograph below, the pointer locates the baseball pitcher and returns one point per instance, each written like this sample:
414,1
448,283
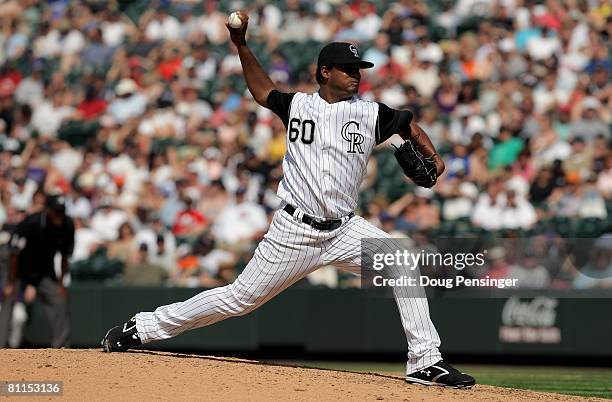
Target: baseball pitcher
330,136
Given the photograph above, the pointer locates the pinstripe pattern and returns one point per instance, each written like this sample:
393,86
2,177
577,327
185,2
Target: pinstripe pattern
321,179
345,253
290,251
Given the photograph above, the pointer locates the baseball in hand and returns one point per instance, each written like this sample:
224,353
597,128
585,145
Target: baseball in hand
234,20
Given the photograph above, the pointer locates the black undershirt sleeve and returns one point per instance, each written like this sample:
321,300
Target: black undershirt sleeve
391,121
279,103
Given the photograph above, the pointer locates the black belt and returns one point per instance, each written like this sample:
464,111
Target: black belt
330,224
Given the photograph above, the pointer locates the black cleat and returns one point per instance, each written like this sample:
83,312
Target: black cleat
121,338
441,374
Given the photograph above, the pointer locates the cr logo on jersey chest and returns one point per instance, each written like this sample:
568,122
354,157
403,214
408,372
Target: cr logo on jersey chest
354,139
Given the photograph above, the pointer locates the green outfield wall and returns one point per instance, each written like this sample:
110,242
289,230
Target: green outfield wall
336,321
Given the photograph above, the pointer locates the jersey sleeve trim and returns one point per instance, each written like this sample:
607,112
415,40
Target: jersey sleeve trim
280,104
391,121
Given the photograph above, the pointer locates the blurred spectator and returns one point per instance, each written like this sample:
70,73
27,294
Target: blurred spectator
240,221
424,75
604,180
96,53
216,266
162,26
92,106
189,221
565,201
86,240
215,199
123,248
280,70
164,255
529,272
524,167
506,151
543,44
379,53
598,270
590,124
415,212
592,204
31,89
324,24
459,197
542,186
458,162
498,266
107,219
48,116
517,212
204,264
115,28
160,242
141,272
128,103
489,207
366,18
580,161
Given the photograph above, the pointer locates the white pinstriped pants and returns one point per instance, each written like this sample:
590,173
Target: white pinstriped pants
290,251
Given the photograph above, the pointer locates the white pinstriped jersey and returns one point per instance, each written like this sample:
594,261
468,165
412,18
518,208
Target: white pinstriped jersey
328,147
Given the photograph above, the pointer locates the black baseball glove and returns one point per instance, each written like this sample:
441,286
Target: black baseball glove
420,169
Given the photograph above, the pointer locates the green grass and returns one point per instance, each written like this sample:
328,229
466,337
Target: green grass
580,381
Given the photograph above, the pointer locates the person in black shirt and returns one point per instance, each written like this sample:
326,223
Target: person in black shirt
34,244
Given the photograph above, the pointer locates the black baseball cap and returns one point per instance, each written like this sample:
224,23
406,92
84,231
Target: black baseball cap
56,202
341,53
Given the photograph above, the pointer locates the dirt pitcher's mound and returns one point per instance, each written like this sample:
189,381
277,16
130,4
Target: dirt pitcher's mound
90,374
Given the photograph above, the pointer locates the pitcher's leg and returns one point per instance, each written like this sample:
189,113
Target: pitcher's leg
421,334
423,339
250,290
280,260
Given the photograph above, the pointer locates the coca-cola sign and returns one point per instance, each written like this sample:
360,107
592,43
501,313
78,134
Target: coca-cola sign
539,312
530,321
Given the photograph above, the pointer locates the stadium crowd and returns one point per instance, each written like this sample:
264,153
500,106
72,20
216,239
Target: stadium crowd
137,112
